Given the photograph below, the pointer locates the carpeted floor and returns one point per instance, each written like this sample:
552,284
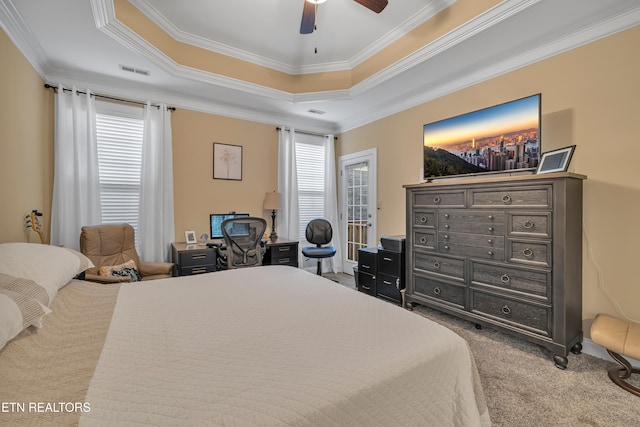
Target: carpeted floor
523,387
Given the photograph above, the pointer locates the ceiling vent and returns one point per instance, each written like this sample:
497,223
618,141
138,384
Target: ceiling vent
134,70
319,112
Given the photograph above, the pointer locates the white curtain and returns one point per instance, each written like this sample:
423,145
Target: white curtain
76,185
289,220
331,205
155,221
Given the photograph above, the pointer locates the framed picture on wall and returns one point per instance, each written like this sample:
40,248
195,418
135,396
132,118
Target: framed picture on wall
227,161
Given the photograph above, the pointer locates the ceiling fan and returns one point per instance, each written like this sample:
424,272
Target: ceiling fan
309,12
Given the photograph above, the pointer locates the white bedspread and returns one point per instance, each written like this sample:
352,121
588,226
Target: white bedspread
277,346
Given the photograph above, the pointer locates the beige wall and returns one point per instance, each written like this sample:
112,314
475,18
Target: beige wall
196,193
26,145
589,98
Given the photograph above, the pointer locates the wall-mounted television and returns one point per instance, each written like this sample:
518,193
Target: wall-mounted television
501,138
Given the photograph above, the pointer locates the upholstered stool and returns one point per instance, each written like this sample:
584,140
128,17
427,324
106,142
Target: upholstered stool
620,338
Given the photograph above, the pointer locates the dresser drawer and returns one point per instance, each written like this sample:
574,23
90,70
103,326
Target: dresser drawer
367,283
390,262
534,253
440,198
530,196
493,246
388,286
535,318
199,269
438,264
196,258
530,224
461,221
424,239
439,291
425,219
367,260
529,283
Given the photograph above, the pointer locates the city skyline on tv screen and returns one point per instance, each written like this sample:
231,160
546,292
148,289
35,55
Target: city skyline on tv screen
498,138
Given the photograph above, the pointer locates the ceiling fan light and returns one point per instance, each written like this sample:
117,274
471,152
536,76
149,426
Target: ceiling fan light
316,1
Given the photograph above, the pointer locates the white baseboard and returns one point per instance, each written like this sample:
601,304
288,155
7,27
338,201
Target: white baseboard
593,349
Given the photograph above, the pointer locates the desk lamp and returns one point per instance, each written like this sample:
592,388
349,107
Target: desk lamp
272,202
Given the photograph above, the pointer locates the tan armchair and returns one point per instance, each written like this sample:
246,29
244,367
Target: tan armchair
114,244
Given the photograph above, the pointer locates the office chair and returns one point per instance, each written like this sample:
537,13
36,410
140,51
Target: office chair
319,232
243,237
110,246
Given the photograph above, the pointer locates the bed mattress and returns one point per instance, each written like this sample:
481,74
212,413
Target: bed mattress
254,347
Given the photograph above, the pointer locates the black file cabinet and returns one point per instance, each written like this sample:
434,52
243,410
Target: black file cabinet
193,259
381,273
367,270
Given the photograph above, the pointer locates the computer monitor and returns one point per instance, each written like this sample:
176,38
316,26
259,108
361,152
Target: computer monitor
215,221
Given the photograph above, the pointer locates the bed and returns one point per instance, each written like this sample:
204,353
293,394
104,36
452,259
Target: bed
262,346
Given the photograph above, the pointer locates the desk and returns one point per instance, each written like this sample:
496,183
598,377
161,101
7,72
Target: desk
281,251
193,259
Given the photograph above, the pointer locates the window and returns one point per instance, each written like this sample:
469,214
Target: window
119,133
310,162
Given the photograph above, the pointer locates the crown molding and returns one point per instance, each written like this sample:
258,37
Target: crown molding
622,22
21,35
167,26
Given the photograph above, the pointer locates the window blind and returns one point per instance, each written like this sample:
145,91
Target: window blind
120,163
310,162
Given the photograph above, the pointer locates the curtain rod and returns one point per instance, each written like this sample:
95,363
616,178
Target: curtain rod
55,88
304,132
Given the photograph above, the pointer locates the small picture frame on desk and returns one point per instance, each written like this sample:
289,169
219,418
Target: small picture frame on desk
190,237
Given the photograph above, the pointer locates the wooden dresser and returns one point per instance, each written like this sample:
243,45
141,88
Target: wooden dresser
503,252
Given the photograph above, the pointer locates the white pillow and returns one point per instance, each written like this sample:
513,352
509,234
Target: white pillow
50,266
17,312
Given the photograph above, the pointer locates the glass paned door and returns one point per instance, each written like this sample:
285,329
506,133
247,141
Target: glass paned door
357,204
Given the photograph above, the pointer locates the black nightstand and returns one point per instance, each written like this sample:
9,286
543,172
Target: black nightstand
193,259
281,251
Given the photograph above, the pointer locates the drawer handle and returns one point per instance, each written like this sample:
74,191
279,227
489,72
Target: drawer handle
436,291
490,216
398,284
506,199
365,266
199,256
446,226
386,283
284,248
423,219
490,228
446,236
506,310
436,265
283,261
446,247
366,287
446,215
528,224
490,253
437,200
387,259
490,241
423,240
505,279
527,252
198,270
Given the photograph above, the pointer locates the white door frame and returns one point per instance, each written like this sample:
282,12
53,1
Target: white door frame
370,155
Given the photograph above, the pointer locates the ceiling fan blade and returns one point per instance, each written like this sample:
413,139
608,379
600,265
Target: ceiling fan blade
308,18
375,5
